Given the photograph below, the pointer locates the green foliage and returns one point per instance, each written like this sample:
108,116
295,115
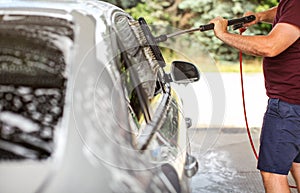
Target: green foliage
152,10
266,4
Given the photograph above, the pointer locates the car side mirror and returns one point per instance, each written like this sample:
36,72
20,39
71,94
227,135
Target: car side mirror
184,72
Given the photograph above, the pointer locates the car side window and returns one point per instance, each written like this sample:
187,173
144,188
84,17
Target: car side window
32,85
142,86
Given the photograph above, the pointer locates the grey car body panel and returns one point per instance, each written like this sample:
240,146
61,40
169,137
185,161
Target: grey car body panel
93,150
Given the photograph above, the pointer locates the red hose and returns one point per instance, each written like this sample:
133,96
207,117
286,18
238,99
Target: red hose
244,103
244,107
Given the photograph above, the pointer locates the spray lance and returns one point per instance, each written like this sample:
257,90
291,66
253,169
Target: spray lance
237,23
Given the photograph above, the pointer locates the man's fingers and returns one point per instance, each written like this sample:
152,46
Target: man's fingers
247,13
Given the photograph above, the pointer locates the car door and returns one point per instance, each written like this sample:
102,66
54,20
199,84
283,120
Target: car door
157,123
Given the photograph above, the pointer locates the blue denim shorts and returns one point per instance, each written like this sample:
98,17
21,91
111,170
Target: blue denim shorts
280,137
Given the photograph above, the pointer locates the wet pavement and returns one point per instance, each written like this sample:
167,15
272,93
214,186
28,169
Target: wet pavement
226,161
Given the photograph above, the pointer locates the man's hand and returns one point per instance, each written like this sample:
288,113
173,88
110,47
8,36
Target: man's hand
220,26
252,22
267,16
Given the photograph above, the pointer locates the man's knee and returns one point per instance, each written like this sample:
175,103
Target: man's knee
273,176
275,182
295,170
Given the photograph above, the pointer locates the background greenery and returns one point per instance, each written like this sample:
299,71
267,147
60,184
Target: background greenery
167,15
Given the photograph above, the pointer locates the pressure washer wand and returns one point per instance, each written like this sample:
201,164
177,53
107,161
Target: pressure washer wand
238,23
164,37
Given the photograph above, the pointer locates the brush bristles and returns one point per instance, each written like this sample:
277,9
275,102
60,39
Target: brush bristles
150,57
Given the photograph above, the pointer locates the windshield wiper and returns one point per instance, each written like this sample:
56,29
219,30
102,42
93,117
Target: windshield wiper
25,146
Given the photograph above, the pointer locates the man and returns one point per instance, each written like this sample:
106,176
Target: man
280,136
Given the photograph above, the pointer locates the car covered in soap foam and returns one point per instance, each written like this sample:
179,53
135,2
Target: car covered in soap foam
86,105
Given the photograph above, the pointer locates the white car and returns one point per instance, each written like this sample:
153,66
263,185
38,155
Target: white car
85,103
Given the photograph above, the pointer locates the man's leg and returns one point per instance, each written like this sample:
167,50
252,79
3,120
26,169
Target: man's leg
275,183
280,139
296,174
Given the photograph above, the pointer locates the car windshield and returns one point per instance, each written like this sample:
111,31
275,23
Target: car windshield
32,83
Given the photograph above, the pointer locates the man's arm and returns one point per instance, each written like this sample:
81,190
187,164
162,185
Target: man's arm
267,16
280,38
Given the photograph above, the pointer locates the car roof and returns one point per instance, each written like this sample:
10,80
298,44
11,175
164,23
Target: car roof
47,7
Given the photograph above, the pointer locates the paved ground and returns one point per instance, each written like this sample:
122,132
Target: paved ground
226,161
